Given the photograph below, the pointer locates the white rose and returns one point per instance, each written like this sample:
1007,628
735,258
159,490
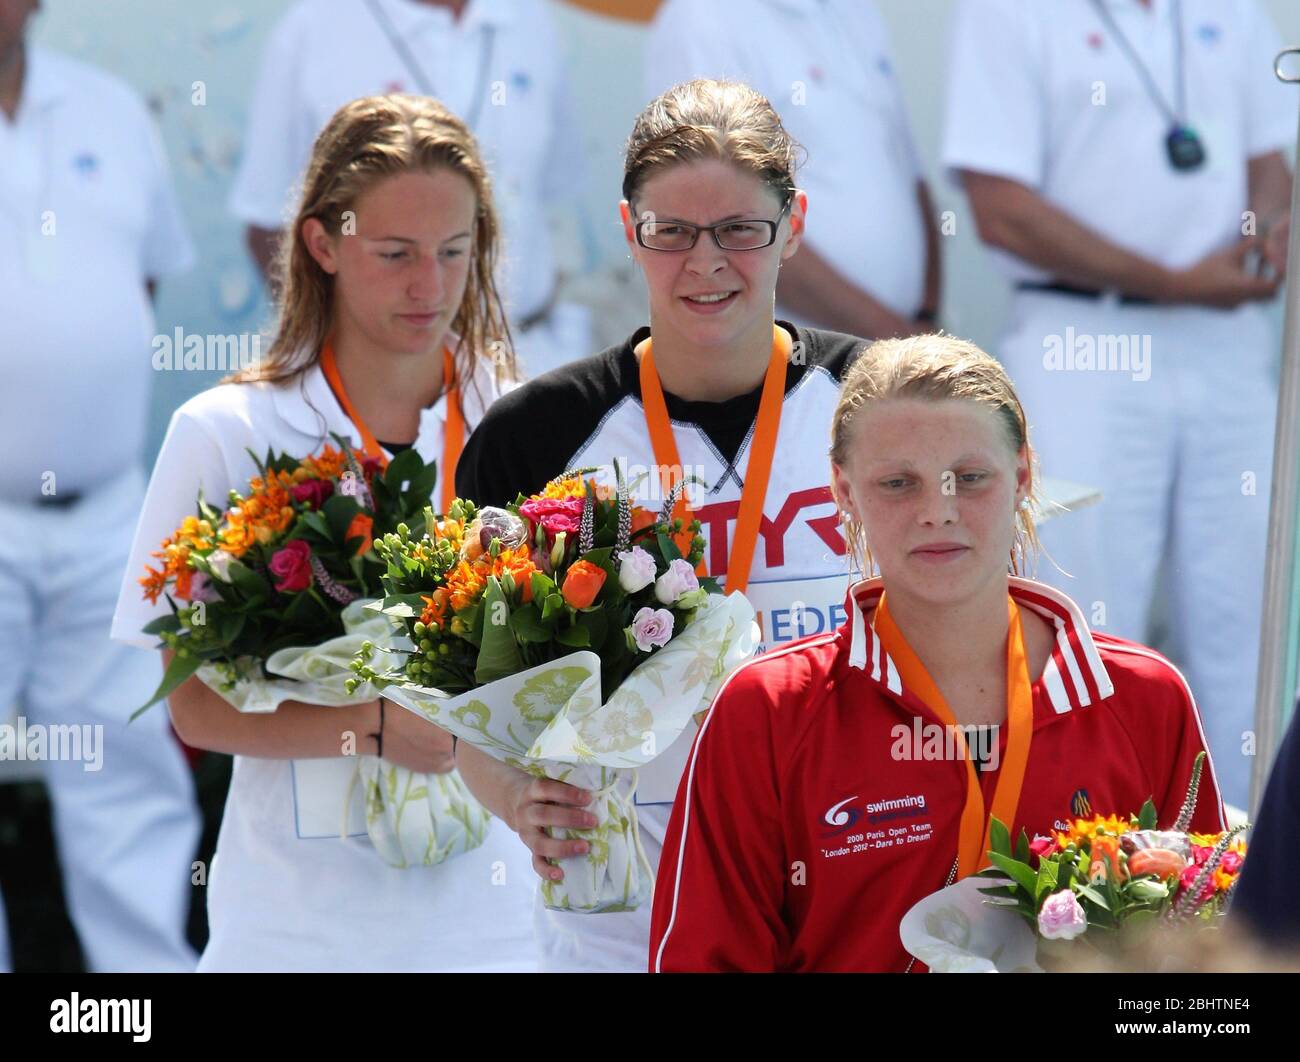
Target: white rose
219,562
636,570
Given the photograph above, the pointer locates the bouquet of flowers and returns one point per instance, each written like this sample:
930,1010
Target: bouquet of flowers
569,636
1093,887
267,604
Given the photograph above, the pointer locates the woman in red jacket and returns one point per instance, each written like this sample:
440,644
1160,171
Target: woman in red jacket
838,780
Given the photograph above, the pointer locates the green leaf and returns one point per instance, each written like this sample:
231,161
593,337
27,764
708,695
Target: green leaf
247,581
1022,846
1017,871
528,625
1046,880
383,499
1147,817
403,606
1092,894
423,482
596,622
169,622
178,672
668,547
999,837
316,522
406,465
498,655
554,603
543,586
230,626
305,611
575,637
338,511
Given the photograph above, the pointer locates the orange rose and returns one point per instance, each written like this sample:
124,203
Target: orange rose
361,527
582,583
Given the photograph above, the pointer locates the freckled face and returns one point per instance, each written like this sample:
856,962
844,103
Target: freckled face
400,278
935,486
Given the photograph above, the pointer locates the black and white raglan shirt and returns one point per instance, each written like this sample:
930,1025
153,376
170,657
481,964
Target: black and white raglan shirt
589,413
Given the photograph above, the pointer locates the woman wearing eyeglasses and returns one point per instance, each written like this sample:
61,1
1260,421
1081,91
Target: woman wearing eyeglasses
716,387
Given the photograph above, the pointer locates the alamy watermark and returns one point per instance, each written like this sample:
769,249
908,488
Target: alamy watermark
1085,352
206,352
82,742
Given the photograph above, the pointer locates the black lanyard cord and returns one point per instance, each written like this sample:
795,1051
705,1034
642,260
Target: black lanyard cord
1180,84
416,71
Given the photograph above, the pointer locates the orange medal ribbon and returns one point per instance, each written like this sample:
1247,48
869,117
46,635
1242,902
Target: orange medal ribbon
453,436
973,846
757,472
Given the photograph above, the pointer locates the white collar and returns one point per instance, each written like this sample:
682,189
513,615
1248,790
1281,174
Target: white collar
308,405
1074,676
411,15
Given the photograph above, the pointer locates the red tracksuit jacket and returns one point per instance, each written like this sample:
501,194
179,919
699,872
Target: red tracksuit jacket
805,828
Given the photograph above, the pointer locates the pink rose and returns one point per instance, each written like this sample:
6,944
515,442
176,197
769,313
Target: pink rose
554,515
201,589
1188,879
1042,847
312,491
1231,862
652,627
292,566
1061,917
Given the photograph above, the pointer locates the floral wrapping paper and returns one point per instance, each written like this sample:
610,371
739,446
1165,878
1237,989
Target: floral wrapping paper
550,722
412,819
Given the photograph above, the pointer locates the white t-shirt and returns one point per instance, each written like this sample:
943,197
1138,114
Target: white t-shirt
1045,95
278,901
87,215
499,68
826,67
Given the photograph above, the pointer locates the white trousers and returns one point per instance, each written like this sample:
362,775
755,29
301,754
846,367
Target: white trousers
1177,431
127,831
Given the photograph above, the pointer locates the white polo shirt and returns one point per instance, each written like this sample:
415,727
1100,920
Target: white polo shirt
87,215
499,68
1026,83
279,897
826,66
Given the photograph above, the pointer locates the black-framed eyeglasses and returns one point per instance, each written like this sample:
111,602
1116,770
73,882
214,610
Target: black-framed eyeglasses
747,234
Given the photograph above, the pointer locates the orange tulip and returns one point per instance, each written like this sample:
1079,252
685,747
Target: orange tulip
361,526
582,583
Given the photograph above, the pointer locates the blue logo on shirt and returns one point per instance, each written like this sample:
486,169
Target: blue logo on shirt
886,67
85,164
521,80
1209,33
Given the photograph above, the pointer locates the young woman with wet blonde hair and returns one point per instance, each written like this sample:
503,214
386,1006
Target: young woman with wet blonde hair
837,782
390,332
